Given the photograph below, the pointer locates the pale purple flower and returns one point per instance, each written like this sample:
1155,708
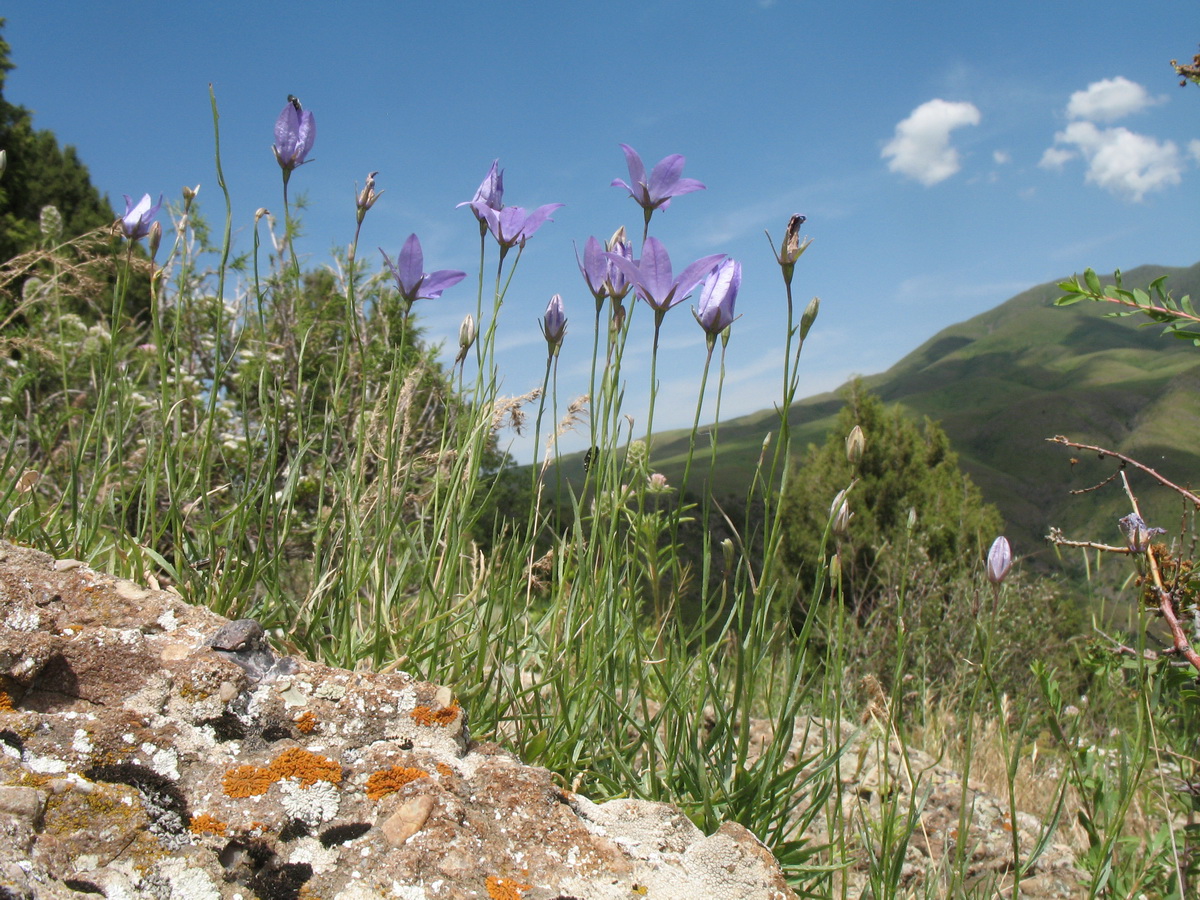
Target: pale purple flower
664,182
999,560
295,131
490,192
652,277
595,267
512,225
554,324
412,281
137,219
1137,532
718,297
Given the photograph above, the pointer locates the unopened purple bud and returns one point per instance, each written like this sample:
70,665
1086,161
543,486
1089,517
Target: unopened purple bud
718,296
999,560
554,324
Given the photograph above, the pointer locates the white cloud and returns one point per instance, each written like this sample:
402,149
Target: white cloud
1109,99
1054,157
1194,150
1120,161
1001,157
921,148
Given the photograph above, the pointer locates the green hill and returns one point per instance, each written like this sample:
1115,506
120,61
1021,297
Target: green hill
1003,382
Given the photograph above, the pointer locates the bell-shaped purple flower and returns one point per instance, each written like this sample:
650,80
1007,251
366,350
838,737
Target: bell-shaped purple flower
138,218
512,225
999,560
665,180
490,192
295,131
718,297
653,279
411,280
554,324
595,267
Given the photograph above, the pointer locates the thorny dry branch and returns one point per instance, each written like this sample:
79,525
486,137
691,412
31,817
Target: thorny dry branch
1166,601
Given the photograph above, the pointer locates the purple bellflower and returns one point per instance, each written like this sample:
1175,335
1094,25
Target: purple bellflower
295,131
664,183
411,280
717,298
490,192
554,324
512,225
136,221
652,277
999,560
595,267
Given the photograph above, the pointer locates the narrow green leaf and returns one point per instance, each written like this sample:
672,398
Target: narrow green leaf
1093,282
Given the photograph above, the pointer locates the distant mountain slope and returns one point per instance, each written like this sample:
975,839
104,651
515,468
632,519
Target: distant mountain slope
1004,381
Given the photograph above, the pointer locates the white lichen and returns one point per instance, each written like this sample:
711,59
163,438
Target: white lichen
167,621
309,850
22,619
188,883
81,743
312,805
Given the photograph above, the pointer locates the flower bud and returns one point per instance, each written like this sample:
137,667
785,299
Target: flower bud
155,239
727,553
189,193
810,316
839,512
856,443
467,332
999,560
554,324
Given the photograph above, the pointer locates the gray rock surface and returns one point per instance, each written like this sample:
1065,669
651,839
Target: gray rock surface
149,748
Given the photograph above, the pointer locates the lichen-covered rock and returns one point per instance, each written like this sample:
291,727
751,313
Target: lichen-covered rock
149,748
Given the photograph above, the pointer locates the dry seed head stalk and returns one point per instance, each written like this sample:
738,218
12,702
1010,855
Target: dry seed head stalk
510,408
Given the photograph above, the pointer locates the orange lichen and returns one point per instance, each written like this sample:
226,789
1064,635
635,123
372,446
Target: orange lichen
444,770
306,722
6,704
206,824
248,781
427,715
505,888
308,767
388,781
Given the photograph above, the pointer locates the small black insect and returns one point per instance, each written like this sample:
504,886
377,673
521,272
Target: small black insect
295,101
590,458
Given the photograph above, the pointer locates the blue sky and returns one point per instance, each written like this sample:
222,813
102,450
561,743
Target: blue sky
947,155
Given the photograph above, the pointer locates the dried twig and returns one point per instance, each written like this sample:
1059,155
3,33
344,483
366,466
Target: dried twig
1059,439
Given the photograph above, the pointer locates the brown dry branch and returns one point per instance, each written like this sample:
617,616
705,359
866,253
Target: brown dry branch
1128,460
1165,598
